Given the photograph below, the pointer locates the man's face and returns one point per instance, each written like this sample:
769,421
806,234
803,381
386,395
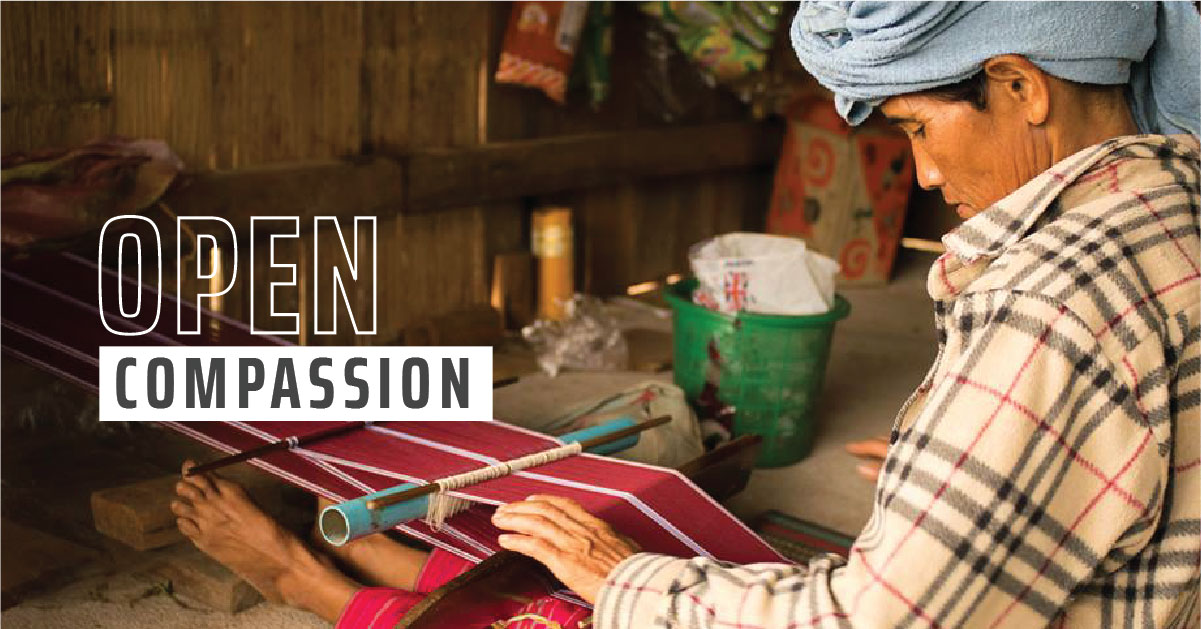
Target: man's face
974,157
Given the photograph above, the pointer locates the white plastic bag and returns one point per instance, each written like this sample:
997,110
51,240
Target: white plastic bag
588,337
762,274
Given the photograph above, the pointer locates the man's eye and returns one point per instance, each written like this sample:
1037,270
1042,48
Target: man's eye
920,132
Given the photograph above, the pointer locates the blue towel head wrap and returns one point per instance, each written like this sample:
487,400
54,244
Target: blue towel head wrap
867,51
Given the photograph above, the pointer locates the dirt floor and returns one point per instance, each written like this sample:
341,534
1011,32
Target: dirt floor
59,572
879,355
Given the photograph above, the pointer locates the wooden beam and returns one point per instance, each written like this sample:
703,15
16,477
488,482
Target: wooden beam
139,514
344,188
437,179
493,172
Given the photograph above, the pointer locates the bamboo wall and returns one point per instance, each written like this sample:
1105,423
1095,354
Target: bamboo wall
237,85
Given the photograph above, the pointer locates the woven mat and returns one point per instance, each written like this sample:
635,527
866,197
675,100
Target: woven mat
798,539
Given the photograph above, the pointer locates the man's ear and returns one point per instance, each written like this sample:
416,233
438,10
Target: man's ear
1025,84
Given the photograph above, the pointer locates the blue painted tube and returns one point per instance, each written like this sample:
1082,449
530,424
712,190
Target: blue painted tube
604,429
352,519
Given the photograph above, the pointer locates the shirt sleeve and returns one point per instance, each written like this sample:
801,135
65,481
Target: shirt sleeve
1029,467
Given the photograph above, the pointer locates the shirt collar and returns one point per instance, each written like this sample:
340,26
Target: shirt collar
973,245
992,231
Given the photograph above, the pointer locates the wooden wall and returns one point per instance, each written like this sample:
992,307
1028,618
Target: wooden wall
238,86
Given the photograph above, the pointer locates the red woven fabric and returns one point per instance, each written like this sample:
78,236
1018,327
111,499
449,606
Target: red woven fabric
380,608
377,608
50,319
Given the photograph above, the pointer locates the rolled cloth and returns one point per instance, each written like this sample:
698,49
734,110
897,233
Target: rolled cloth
866,52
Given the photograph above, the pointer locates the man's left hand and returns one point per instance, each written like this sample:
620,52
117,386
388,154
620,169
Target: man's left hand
580,549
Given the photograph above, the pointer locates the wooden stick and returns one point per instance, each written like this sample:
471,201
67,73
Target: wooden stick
286,443
504,382
432,487
624,432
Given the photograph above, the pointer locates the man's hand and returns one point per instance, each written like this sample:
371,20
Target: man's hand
873,452
581,550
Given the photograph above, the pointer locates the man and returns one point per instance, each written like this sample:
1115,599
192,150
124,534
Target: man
1047,470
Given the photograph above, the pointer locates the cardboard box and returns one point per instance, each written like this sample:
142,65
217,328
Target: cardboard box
843,189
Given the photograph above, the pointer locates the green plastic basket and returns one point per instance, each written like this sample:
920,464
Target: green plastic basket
770,368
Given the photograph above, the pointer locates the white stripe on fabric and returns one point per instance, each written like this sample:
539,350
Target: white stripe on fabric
570,597
259,463
339,474
626,496
470,541
179,427
51,368
633,501
380,612
362,467
66,349
528,432
467,454
321,491
698,491
167,296
316,459
446,528
81,304
441,543
343,476
629,498
300,482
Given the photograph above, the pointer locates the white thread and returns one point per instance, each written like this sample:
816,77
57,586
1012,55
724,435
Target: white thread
292,442
443,504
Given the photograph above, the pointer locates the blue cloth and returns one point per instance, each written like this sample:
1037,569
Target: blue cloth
867,51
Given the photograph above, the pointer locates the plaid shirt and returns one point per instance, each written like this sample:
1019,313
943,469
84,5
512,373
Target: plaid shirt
1046,471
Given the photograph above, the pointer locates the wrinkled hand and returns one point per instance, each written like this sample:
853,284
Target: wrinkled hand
580,549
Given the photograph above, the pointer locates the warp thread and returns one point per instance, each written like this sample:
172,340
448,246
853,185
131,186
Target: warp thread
443,505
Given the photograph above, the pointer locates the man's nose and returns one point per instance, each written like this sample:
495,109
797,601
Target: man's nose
928,175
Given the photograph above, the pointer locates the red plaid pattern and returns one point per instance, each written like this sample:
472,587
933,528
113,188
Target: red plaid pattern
1046,471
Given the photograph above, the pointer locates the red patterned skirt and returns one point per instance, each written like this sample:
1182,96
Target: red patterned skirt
382,608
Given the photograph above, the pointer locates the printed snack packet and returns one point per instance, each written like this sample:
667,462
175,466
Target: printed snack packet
540,45
728,40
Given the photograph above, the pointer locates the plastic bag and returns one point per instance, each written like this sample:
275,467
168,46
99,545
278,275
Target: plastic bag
762,274
586,338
